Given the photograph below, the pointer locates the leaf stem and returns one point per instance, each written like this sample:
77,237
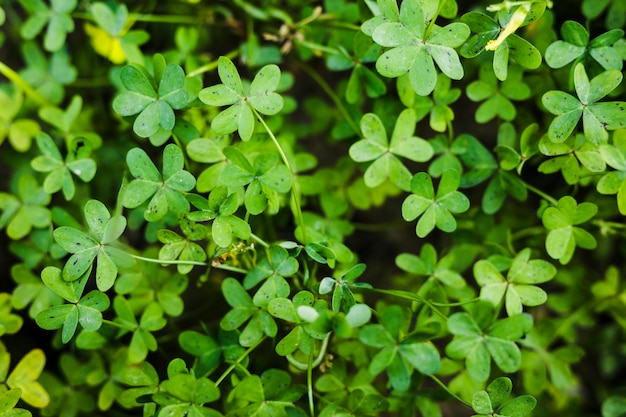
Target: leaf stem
212,65
23,85
333,96
316,362
294,183
239,359
460,303
259,240
151,18
432,20
446,389
229,268
409,296
168,262
540,193
115,324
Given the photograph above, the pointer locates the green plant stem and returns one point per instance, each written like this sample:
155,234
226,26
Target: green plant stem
309,384
540,193
571,319
151,18
432,20
320,357
460,303
409,296
446,389
294,183
239,359
259,240
168,262
529,231
230,268
333,96
212,65
114,324
23,85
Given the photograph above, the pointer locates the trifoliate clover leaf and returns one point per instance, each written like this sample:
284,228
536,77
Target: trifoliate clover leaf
84,310
597,116
165,191
518,287
577,47
498,35
95,246
399,353
68,121
57,18
297,337
376,147
152,99
614,9
614,182
183,247
497,97
27,209
209,151
434,209
564,235
259,96
478,338
20,132
494,400
220,207
260,322
60,170
142,339
343,298
23,379
415,47
573,157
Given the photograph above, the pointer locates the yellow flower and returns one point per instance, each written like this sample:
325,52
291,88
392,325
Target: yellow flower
106,45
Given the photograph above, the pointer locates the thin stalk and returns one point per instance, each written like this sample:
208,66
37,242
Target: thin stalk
230,268
409,296
529,231
239,359
294,187
259,240
309,384
212,65
312,364
460,303
23,85
446,389
114,324
140,17
432,20
333,96
540,193
168,262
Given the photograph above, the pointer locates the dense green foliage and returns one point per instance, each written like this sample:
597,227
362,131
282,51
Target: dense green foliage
328,208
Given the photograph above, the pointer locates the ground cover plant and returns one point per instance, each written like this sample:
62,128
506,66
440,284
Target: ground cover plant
312,208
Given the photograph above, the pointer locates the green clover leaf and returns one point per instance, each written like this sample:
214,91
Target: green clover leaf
434,209
221,207
20,132
514,47
209,151
614,182
166,192
69,123
415,49
576,47
9,323
31,290
573,157
185,394
518,287
564,235
8,401
57,18
376,147
84,310
48,76
541,363
270,394
398,351
204,348
497,98
494,400
597,116
244,310
343,298
479,337
614,11
259,96
513,155
95,246
265,179
142,339
182,248
60,170
285,309
26,210
152,99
